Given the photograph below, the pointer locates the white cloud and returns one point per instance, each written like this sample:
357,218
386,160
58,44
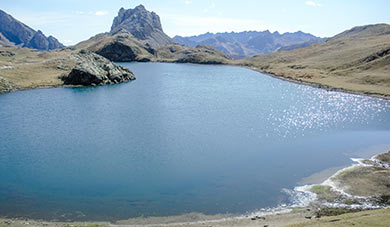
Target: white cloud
101,13
187,2
315,4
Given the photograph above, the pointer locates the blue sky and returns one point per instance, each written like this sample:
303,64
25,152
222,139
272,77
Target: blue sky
72,21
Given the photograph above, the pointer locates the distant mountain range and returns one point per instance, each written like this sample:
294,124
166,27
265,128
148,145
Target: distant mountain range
15,33
356,60
249,43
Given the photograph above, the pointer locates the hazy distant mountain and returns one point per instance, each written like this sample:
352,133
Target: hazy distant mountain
143,25
357,59
248,43
14,32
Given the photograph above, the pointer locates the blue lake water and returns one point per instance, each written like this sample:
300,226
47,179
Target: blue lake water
181,138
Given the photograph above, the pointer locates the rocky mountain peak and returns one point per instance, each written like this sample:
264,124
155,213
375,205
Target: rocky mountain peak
14,32
142,24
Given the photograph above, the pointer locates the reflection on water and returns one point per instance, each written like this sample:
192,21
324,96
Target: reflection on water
179,139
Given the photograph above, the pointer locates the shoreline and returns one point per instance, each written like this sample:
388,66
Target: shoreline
318,85
293,216
283,78
306,208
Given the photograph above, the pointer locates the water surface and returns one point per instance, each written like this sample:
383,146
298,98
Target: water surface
180,138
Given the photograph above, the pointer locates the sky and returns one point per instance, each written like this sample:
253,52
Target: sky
72,21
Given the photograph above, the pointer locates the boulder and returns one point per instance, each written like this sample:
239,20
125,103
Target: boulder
92,69
6,86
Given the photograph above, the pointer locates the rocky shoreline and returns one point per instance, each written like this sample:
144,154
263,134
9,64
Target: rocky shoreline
356,194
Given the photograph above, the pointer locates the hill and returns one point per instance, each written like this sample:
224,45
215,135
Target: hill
249,43
15,33
137,35
356,60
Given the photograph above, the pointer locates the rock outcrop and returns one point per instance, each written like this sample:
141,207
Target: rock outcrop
38,41
143,25
54,43
137,35
202,54
6,86
5,42
14,32
92,69
120,47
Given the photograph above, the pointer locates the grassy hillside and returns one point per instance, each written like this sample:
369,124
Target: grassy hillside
356,60
23,68
364,218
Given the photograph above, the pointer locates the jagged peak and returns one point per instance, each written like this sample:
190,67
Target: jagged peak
142,24
140,7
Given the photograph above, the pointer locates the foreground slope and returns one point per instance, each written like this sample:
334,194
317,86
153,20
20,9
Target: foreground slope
356,60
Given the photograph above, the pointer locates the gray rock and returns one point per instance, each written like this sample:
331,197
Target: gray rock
143,25
5,42
92,69
118,51
54,43
38,41
6,86
6,53
14,32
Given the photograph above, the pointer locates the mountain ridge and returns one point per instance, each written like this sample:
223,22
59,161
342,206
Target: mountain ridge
15,33
356,60
244,44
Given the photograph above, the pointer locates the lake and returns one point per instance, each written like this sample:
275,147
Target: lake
180,138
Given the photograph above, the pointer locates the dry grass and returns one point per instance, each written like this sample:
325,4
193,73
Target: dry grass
364,218
359,62
28,68
182,54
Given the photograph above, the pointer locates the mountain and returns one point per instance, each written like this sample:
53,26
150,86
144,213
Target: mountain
14,32
137,35
143,25
356,60
120,46
248,43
